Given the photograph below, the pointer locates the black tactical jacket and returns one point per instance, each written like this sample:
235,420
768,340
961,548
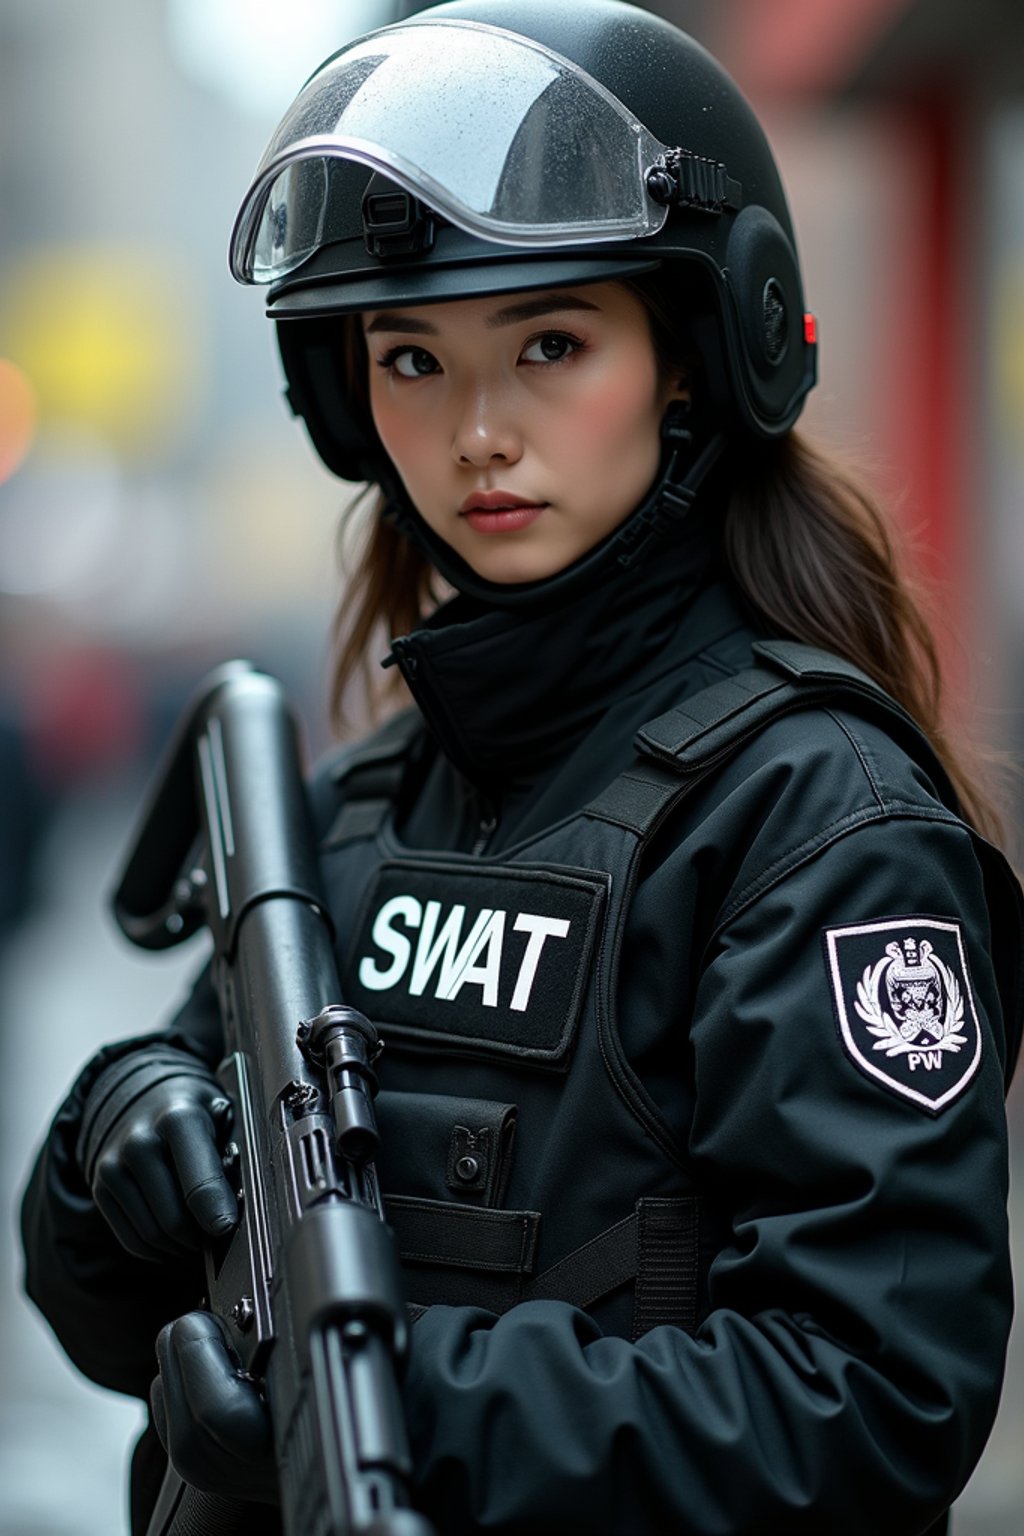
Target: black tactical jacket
776,1058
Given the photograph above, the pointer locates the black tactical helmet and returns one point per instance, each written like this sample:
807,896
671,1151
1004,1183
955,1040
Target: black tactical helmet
486,146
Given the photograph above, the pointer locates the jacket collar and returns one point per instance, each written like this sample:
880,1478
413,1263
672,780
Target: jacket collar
509,693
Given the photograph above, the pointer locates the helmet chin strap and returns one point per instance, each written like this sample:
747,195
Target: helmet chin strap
686,462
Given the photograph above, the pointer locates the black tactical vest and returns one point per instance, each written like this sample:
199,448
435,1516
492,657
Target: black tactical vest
522,1155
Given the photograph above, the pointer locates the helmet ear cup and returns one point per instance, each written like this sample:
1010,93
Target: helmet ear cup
311,352
762,272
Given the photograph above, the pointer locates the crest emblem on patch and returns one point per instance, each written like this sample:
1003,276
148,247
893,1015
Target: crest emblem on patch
904,1005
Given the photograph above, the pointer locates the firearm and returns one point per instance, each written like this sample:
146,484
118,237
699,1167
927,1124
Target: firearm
307,1285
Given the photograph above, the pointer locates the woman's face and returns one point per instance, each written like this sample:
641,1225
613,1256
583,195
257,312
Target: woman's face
525,426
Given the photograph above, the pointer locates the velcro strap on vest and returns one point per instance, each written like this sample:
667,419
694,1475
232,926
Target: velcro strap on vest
697,734
668,1256
638,798
657,1248
687,743
717,719
796,659
594,1270
464,1236
713,722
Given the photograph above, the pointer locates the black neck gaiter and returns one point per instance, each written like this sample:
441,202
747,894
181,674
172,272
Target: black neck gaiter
507,693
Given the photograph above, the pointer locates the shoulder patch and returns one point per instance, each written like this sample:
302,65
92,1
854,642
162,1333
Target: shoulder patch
904,1005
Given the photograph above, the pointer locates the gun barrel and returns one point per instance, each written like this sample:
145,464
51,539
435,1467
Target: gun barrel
327,1272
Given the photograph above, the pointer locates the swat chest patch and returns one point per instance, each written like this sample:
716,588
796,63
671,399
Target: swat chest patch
904,1005
492,957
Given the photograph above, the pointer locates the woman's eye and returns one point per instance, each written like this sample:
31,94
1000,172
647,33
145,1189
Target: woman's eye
552,347
410,362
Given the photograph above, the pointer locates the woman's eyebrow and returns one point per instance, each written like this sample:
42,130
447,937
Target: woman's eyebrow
526,309
532,309
387,320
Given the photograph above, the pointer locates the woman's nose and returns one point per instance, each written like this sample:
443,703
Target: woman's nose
485,431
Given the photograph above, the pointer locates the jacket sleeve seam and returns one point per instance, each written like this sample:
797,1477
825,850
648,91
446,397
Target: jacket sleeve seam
824,837
861,752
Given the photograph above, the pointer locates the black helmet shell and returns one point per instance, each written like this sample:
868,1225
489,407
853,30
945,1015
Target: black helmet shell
737,259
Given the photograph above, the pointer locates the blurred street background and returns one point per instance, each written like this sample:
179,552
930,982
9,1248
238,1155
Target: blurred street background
160,511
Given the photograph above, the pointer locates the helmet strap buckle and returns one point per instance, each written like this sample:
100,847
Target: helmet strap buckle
675,492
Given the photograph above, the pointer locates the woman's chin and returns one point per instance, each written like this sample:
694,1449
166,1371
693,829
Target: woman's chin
514,573
512,567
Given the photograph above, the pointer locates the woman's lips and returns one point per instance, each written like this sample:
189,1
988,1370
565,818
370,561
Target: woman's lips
499,512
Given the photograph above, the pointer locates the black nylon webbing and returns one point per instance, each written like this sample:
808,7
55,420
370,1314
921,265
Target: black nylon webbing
667,1262
371,774
464,1236
656,1247
710,722
686,744
384,747
357,819
638,798
592,1271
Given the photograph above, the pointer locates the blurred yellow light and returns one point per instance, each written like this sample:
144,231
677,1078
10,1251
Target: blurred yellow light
1009,357
108,341
17,417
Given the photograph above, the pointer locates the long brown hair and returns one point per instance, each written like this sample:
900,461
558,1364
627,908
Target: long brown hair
818,560
813,554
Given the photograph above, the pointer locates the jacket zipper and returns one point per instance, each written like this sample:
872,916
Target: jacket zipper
408,664
485,832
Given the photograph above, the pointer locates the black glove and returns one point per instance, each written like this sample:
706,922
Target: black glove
149,1150
211,1419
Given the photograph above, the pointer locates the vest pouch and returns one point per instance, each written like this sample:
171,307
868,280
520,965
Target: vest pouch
443,1167
440,1147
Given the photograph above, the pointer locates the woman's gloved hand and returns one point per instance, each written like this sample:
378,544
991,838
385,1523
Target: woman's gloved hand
211,1419
150,1151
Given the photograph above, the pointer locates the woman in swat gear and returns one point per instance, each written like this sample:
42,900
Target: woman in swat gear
696,966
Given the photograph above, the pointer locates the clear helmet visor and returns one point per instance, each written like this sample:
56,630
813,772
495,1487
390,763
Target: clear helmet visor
508,140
